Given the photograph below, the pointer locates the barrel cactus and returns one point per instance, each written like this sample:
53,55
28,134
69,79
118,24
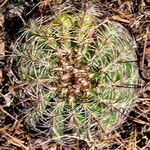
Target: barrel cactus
81,71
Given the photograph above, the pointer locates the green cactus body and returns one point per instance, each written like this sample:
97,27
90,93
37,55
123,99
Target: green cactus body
79,68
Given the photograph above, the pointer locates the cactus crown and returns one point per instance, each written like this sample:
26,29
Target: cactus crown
79,68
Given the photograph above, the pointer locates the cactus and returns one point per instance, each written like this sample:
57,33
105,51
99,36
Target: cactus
79,69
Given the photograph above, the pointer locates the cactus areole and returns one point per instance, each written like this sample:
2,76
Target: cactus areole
81,71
